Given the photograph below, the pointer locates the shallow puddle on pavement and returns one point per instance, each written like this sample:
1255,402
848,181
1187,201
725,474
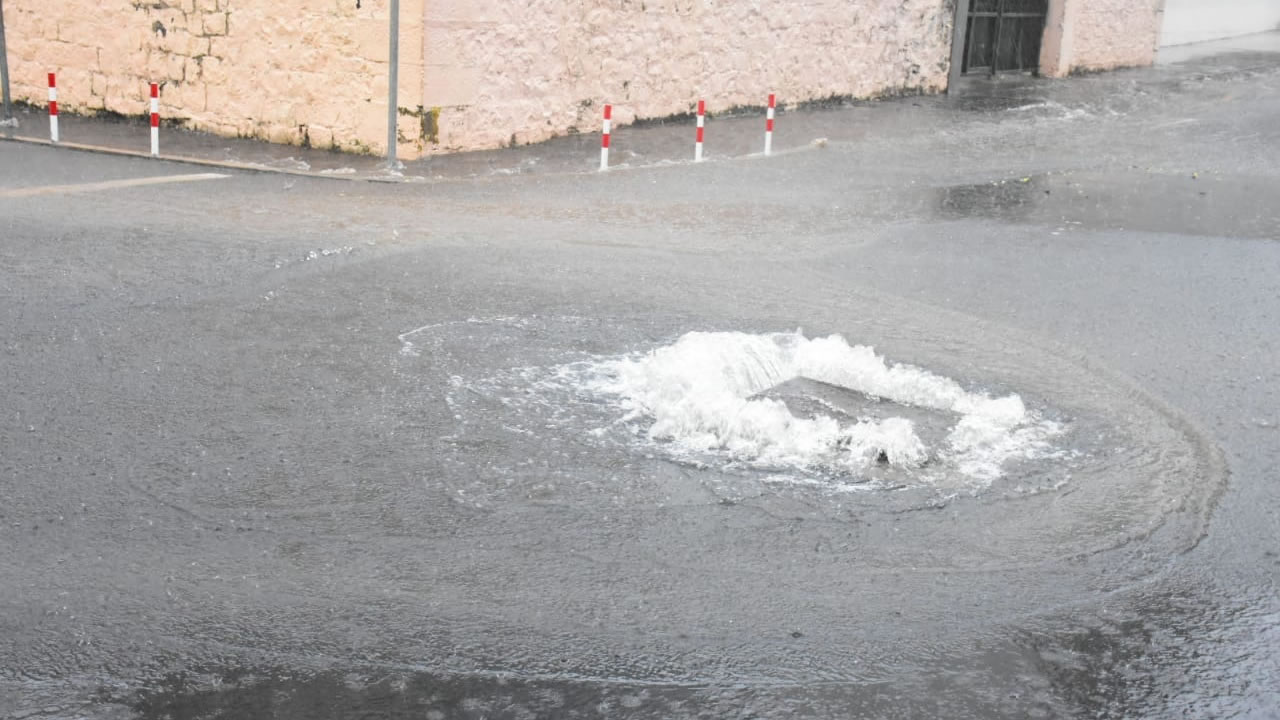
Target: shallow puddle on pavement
1191,204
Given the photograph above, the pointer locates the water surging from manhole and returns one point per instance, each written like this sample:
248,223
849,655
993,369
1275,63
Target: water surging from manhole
718,394
532,411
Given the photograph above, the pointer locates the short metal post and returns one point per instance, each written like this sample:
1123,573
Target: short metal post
702,125
53,107
604,137
155,120
768,124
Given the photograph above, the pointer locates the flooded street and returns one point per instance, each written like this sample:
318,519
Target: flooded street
969,409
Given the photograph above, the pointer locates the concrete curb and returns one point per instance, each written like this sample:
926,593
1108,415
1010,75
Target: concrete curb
204,162
388,178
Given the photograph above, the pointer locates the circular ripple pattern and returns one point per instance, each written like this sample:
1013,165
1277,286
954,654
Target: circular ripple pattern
1098,463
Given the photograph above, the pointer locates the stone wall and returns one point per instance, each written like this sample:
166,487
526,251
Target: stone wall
502,71
480,74
290,71
474,73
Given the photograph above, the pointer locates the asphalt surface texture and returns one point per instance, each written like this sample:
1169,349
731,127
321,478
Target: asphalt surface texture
278,446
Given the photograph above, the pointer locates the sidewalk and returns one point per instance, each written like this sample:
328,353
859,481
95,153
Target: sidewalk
670,142
1263,43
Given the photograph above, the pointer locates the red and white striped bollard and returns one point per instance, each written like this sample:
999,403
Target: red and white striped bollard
53,107
604,138
702,123
155,120
768,126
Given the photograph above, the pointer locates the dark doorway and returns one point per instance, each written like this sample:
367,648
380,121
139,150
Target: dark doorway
1003,36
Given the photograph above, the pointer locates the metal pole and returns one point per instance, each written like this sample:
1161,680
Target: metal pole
392,99
4,70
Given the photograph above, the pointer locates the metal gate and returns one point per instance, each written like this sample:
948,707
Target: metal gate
1004,35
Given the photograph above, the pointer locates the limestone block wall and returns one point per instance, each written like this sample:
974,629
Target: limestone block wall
290,71
499,72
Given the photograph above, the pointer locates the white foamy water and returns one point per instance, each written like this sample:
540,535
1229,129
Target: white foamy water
702,395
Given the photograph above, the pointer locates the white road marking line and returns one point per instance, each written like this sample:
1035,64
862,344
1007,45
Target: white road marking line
108,185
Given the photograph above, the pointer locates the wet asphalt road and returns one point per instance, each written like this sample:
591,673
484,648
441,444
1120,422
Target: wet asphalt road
229,492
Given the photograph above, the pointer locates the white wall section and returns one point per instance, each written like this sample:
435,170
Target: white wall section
1189,21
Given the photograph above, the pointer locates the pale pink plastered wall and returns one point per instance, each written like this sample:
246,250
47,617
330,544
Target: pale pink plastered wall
501,71
1084,35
